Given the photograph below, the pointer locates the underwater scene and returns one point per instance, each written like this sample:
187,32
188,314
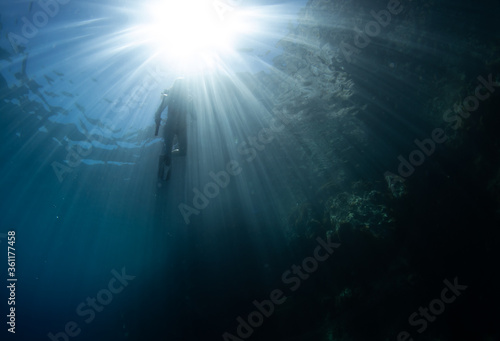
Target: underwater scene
233,170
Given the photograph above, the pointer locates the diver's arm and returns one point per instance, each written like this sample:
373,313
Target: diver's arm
163,105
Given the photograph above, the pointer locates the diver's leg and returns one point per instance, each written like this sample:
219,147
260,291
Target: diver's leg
169,139
166,157
182,138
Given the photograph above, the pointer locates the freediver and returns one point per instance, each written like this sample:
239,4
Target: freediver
178,101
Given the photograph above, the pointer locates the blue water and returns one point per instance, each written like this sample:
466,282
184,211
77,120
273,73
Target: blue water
183,259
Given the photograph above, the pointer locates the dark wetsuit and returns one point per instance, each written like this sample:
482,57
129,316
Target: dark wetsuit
177,101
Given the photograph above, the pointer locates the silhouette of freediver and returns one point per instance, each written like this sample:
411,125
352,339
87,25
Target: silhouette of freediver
178,100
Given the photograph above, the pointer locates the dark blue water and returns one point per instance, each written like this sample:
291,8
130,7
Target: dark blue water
341,178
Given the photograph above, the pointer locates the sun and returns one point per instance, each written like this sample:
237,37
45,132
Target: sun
190,31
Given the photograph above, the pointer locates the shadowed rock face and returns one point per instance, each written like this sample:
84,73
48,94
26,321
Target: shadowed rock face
350,120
